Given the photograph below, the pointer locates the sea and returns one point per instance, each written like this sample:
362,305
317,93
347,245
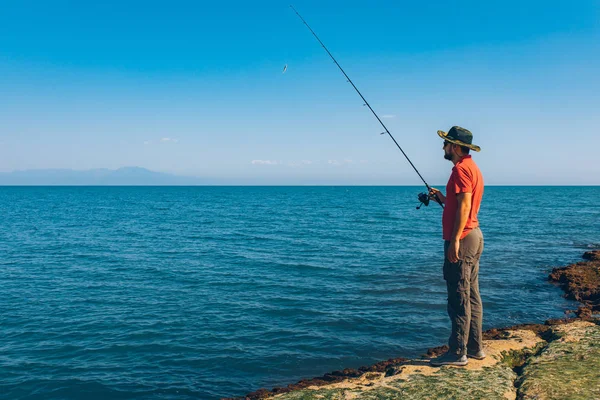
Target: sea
211,292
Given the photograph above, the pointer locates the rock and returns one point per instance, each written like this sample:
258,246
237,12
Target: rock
436,351
581,282
568,368
492,378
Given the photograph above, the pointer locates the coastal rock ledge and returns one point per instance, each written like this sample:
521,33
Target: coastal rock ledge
556,360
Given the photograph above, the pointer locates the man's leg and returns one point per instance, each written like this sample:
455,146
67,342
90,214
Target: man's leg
475,343
457,276
458,285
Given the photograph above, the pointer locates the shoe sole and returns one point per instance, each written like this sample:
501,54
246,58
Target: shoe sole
476,358
455,364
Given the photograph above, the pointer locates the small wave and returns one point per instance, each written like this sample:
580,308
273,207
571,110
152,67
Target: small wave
302,266
587,246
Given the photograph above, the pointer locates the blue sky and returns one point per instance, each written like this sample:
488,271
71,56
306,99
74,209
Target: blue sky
197,89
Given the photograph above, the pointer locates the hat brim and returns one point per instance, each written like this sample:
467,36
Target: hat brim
444,136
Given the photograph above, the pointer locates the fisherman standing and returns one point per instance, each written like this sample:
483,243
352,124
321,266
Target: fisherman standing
463,239
463,244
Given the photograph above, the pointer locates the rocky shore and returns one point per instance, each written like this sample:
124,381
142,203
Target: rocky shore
559,359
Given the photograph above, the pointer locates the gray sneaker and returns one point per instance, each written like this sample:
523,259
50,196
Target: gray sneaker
480,355
450,359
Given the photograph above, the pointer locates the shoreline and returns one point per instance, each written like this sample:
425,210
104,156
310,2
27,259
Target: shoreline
580,281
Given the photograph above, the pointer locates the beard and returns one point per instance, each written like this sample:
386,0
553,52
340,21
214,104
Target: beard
448,156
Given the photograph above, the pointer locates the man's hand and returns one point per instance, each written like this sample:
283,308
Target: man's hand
452,252
436,195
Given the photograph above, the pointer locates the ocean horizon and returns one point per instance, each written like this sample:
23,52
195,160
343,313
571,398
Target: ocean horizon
213,291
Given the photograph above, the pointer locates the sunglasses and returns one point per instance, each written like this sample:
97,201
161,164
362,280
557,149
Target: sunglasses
446,143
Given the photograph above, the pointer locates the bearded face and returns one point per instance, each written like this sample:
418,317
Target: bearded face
448,151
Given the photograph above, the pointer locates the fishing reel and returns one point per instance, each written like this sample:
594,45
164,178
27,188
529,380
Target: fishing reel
424,199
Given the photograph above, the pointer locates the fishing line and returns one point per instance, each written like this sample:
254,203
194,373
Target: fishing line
424,198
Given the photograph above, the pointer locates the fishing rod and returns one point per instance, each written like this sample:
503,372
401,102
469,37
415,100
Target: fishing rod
423,197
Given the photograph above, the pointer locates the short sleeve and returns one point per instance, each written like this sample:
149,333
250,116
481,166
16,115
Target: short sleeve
463,182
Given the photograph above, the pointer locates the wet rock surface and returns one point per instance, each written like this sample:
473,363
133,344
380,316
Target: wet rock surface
581,282
592,255
559,359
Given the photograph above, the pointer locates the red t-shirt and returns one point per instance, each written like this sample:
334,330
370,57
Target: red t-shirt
465,178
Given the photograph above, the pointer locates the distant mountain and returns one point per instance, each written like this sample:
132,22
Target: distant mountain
127,176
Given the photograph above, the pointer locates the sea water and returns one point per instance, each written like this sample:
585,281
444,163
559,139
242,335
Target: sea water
207,292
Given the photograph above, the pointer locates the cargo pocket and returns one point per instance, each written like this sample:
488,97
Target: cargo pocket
457,274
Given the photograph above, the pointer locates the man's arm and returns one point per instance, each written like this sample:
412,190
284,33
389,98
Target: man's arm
462,215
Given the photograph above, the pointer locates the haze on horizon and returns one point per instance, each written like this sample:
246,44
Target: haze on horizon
198,90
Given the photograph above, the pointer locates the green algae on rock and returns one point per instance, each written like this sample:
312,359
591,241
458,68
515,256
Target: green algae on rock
449,383
568,368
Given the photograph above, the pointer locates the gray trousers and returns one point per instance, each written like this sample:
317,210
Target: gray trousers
464,303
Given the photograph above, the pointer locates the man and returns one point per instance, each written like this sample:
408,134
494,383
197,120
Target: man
463,244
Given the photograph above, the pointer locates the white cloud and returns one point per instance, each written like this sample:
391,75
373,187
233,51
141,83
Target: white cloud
299,163
265,162
388,116
342,162
162,140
